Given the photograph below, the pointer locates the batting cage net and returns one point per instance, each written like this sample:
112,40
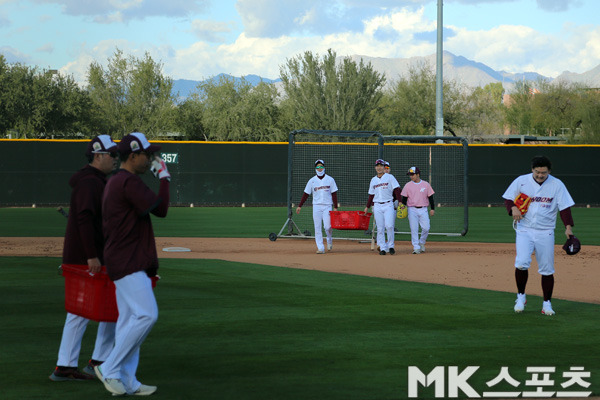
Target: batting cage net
349,157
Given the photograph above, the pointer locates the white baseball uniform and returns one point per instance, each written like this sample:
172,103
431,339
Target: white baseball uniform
321,190
417,195
70,344
535,232
383,208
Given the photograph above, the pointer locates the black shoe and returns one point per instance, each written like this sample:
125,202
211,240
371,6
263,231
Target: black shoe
382,252
392,251
68,374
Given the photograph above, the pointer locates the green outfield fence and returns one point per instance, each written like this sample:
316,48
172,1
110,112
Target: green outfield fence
255,174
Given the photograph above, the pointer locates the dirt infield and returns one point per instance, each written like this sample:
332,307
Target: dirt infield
476,265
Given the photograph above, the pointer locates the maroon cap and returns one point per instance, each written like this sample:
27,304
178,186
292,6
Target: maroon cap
413,170
101,144
136,142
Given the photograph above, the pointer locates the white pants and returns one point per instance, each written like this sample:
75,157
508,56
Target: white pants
70,344
322,219
418,217
385,218
539,241
138,313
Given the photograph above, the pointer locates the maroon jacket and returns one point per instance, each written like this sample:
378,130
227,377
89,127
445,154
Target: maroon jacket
83,238
126,207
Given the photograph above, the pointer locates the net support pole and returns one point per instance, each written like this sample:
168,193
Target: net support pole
465,144
289,181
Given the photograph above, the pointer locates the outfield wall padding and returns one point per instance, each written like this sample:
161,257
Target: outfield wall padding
222,174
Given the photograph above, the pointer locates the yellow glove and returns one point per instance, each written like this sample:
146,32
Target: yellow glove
402,211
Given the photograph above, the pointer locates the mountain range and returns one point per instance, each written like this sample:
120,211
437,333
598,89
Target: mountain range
458,68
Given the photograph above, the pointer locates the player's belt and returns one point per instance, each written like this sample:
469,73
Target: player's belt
418,207
382,202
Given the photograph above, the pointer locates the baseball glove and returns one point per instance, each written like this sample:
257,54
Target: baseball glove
572,245
522,202
402,211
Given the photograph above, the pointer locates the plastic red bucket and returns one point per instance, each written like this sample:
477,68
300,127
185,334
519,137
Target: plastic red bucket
91,296
350,220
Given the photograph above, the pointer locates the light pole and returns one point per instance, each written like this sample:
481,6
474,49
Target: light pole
439,81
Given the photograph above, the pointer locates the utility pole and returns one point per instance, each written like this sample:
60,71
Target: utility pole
439,81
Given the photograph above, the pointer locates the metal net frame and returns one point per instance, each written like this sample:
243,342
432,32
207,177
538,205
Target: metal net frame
349,158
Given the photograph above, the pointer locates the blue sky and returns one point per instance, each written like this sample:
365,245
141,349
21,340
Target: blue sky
197,39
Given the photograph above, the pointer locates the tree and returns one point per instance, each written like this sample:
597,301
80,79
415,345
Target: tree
323,94
40,103
554,106
131,94
237,111
484,111
587,127
188,118
410,108
518,111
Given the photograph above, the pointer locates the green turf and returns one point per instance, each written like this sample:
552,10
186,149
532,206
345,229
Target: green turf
485,224
240,331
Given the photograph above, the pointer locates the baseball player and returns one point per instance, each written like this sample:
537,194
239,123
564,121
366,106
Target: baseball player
131,259
547,196
324,192
382,189
84,245
417,195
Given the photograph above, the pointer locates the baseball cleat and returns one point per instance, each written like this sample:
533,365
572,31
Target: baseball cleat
417,251
520,302
145,390
89,369
547,308
382,252
320,251
392,251
422,248
61,374
329,246
115,386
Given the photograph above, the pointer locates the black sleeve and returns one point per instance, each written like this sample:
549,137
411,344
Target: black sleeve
404,200
431,202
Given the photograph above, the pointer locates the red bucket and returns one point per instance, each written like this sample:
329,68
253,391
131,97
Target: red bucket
350,220
91,296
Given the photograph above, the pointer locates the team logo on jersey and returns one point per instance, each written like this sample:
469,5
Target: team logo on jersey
542,199
321,188
380,184
422,190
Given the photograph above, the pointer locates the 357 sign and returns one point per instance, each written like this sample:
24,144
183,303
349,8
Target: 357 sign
542,383
170,158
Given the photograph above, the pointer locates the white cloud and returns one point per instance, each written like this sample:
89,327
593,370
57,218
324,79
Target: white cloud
265,56
108,11
46,48
210,31
521,49
13,55
394,33
557,5
4,21
275,18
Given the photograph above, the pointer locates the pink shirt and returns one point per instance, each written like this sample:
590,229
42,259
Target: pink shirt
417,193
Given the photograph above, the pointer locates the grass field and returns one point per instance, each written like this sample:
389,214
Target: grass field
490,225
243,331
240,331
